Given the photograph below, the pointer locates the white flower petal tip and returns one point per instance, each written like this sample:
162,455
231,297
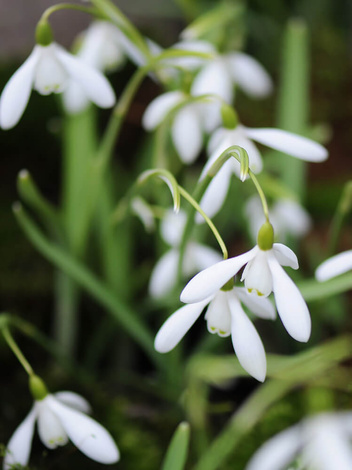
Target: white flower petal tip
334,266
159,108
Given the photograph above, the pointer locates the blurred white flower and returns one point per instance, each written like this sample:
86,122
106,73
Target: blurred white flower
49,69
61,417
224,316
221,139
286,216
334,266
197,256
323,441
262,275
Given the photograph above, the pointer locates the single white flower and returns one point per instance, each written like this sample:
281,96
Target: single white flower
334,266
262,275
286,216
277,139
197,256
323,441
61,417
225,316
49,69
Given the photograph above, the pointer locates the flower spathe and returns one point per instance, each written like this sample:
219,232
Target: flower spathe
323,441
334,266
49,69
61,417
225,316
262,275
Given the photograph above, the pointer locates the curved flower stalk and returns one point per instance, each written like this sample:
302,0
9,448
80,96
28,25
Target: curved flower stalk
334,266
61,417
49,69
277,139
287,217
197,256
323,442
262,275
225,316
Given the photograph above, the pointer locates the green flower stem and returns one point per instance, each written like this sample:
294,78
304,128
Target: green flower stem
261,194
342,210
67,6
16,350
73,268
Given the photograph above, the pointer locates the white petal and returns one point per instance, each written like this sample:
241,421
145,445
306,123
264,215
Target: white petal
187,134
290,304
214,79
16,93
292,218
278,452
260,306
257,277
292,144
176,326
334,266
50,75
74,98
74,401
85,433
19,446
158,109
50,430
249,74
246,342
172,226
93,82
285,256
218,315
164,274
210,280
204,256
216,140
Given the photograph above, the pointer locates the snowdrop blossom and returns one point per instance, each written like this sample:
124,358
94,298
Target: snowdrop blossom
49,69
225,316
262,275
334,266
61,417
277,139
197,256
322,441
288,217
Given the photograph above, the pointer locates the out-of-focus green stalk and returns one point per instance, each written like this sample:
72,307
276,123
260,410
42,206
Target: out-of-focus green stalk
343,208
293,101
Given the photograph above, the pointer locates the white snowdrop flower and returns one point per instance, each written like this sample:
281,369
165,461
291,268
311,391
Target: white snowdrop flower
191,63
262,275
61,417
287,217
224,316
323,442
196,257
334,266
49,69
277,139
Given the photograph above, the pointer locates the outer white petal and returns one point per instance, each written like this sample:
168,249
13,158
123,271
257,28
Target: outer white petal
164,274
74,401
187,134
246,342
85,433
50,429
93,82
74,98
285,256
19,446
188,62
176,326
249,74
158,109
278,452
210,280
216,140
16,93
291,218
172,226
290,304
260,306
292,144
214,79
334,266
204,256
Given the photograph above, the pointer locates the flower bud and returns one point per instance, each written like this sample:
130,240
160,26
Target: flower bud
37,387
266,236
43,33
229,117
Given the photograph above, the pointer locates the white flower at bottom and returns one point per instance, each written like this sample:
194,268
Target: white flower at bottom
225,316
49,69
262,275
323,441
61,417
334,266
